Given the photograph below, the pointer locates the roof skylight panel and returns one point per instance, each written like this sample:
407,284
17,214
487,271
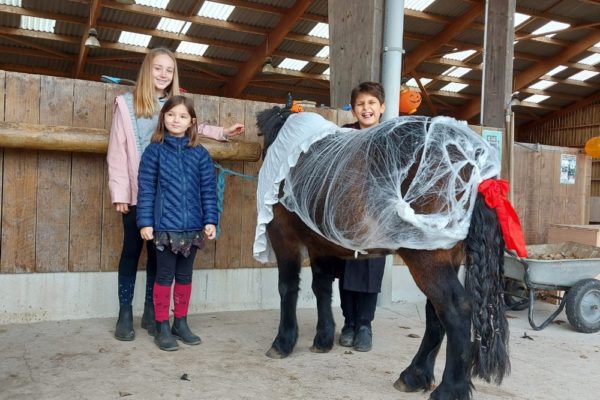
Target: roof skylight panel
214,10
536,98
583,75
196,49
591,60
413,83
520,18
320,30
162,4
293,64
417,5
134,39
542,85
456,72
556,70
14,3
454,87
459,55
326,72
551,26
324,52
173,25
37,24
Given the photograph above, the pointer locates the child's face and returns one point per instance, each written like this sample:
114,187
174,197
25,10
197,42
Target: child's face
178,120
163,69
367,109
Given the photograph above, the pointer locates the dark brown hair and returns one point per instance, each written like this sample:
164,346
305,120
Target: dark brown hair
191,132
375,89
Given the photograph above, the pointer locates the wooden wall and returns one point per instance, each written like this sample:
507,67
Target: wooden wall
55,208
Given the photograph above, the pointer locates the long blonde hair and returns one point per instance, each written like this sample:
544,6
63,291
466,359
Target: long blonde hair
191,132
144,94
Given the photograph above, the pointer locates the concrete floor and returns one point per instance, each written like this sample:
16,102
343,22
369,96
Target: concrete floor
79,359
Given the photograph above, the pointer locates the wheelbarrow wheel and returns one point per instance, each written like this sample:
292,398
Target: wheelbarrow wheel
583,306
516,295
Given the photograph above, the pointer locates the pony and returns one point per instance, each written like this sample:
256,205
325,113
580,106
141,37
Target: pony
470,316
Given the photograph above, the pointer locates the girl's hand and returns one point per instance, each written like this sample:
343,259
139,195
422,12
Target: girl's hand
147,233
123,208
234,130
210,231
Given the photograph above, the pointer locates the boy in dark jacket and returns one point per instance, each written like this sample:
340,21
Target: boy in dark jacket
177,207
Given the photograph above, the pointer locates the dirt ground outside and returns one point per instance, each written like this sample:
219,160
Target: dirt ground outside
80,359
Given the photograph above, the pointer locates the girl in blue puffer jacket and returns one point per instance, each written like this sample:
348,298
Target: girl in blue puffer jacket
177,207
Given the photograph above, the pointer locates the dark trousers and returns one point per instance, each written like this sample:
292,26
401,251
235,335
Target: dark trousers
132,247
174,266
358,307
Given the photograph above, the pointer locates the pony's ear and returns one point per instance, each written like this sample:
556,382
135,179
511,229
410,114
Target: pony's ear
269,122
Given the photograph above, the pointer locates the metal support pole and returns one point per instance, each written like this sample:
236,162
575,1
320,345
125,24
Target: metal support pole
391,70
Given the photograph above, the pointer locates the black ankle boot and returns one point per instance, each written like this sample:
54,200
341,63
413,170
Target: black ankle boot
363,340
124,330
148,319
182,331
164,339
347,336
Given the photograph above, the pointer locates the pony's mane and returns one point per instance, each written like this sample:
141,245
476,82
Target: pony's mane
269,122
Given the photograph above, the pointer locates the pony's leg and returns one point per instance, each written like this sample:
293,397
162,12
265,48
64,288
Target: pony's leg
437,278
288,263
322,288
419,375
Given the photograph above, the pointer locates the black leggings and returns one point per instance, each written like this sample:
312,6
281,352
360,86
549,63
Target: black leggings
132,247
171,265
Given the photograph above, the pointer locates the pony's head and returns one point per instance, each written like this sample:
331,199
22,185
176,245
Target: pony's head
269,122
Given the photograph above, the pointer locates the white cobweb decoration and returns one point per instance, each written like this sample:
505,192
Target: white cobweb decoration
408,182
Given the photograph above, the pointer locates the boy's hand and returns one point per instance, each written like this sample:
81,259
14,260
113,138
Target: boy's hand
234,130
210,231
147,233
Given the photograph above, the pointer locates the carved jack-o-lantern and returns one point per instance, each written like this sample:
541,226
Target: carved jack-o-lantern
410,100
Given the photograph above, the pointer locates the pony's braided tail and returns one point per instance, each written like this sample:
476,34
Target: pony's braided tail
484,248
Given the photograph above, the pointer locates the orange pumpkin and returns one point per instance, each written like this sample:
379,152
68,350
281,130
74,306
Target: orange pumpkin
410,100
592,147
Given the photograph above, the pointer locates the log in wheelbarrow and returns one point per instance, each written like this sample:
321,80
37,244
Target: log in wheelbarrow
568,267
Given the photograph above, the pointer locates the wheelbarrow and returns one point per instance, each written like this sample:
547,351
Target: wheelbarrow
574,276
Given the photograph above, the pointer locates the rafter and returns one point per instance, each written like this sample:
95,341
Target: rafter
237,85
83,50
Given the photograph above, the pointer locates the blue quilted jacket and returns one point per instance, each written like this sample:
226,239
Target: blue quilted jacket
177,187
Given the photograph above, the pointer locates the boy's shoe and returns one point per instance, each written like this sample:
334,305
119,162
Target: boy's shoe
363,340
347,336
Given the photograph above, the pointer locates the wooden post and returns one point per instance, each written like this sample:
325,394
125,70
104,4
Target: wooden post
355,37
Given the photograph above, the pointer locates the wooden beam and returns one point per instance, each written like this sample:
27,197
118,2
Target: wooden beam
270,9
432,107
414,58
47,51
91,140
237,85
83,50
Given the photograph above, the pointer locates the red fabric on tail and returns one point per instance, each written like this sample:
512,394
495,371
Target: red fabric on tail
494,192
181,298
162,301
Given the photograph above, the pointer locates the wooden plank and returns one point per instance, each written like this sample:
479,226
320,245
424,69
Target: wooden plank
549,175
112,225
20,178
248,203
54,180
87,183
2,96
345,117
207,112
228,252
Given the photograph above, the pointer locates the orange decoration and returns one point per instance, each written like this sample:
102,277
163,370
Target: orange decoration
296,107
592,147
410,100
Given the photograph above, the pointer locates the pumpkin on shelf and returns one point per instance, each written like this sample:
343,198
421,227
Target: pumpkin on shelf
410,100
592,147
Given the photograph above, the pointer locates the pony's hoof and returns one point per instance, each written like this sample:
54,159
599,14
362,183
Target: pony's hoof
315,349
403,387
275,354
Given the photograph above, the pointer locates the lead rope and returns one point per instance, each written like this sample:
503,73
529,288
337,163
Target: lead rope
221,188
